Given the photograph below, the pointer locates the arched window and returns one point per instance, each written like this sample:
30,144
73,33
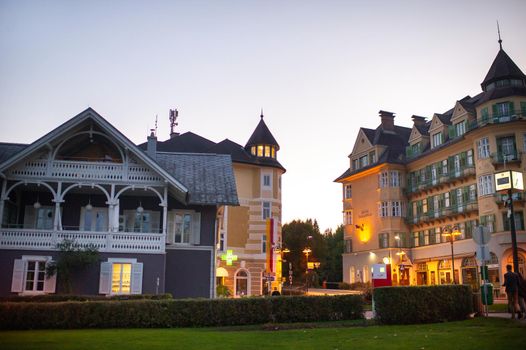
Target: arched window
241,286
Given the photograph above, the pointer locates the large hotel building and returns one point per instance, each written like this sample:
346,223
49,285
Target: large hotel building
407,189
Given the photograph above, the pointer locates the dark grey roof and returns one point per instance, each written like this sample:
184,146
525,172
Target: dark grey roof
369,133
209,178
7,150
502,67
262,136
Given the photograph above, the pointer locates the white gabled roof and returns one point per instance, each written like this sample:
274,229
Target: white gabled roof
90,113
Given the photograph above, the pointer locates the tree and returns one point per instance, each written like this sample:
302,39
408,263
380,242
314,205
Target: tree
298,235
331,268
71,258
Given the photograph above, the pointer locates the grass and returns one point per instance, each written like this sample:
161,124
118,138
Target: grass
479,333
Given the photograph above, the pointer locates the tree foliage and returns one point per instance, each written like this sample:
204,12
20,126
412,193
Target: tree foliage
72,257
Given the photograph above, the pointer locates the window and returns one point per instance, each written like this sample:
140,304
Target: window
273,150
184,227
395,178
253,150
438,234
383,179
347,217
416,239
222,241
506,147
486,185
260,151
348,191
121,276
518,217
472,193
469,157
444,167
29,275
396,208
145,221
436,140
483,148
95,219
383,240
502,109
241,283
264,243
265,213
383,209
488,221
348,245
372,157
355,164
364,161
460,128
267,180
267,151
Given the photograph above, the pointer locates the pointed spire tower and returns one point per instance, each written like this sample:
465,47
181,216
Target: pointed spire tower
262,143
503,71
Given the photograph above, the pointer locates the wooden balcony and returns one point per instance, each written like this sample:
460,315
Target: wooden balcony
105,242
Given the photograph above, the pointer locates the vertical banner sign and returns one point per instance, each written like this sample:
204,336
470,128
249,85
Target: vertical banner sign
270,244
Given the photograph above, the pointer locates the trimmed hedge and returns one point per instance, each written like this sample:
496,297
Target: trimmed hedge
178,313
409,305
45,298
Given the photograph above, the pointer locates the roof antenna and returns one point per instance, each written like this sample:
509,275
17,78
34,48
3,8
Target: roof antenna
261,113
500,40
174,114
156,116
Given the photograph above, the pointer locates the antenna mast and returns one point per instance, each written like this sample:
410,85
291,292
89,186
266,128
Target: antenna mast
498,31
173,115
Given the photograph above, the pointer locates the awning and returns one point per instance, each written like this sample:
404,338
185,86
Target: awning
221,272
443,257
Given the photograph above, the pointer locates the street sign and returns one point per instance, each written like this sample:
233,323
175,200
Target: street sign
483,254
481,235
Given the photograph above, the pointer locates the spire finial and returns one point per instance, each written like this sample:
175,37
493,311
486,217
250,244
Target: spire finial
261,115
498,31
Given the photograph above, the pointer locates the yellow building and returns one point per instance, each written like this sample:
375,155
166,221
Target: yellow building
407,189
251,232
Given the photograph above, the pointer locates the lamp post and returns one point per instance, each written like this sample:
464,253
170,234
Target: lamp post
451,233
282,252
307,251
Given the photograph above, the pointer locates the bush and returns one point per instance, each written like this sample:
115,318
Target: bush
45,298
178,313
408,305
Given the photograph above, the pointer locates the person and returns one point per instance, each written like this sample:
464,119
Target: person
511,282
275,292
522,294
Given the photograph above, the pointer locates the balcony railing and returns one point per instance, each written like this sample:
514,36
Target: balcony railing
84,171
114,242
453,174
441,213
499,158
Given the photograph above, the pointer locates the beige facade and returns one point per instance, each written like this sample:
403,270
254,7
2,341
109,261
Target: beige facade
399,207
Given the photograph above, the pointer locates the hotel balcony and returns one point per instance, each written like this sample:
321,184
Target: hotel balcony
441,179
498,159
442,213
105,242
501,199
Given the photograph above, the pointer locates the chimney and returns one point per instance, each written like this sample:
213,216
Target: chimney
387,120
151,149
418,120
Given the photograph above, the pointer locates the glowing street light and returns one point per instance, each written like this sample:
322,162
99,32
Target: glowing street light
451,233
307,251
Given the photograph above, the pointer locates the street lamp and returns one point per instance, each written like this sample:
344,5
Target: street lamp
451,233
307,251
282,252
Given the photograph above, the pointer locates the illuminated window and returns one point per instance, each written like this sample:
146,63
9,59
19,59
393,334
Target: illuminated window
121,278
273,152
260,151
267,151
253,150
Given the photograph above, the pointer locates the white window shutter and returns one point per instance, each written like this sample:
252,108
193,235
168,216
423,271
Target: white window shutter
105,278
136,278
50,282
17,283
170,227
29,217
196,232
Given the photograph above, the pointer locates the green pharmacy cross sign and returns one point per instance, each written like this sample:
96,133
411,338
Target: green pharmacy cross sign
229,257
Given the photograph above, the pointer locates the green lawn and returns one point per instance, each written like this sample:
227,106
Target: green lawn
473,334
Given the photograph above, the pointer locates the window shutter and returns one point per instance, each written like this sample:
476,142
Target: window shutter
136,278
17,283
170,229
29,217
512,108
105,278
50,282
523,109
196,229
495,111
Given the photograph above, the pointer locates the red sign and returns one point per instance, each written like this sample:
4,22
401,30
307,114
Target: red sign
382,275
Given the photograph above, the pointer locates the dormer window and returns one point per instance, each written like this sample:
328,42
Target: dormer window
436,140
263,151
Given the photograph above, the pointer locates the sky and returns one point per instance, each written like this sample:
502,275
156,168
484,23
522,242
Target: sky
319,69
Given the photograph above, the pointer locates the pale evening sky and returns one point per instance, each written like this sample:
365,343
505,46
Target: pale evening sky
319,69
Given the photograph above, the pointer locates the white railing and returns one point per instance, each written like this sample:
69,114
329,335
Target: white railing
115,242
85,171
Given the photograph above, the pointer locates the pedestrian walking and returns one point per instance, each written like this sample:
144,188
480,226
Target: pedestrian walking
511,282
